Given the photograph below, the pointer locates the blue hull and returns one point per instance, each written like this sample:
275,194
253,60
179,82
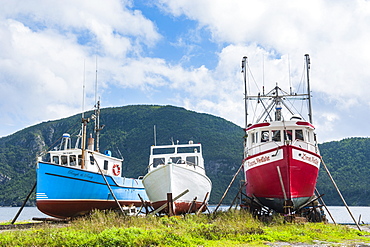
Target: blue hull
68,192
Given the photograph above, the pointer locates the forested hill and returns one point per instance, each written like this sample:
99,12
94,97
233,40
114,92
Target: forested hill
129,130
348,161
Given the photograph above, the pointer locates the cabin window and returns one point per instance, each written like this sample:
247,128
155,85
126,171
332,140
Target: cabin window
188,150
308,134
276,136
64,160
105,164
255,137
177,160
192,160
299,135
163,150
92,160
158,161
265,137
72,160
79,160
56,159
288,135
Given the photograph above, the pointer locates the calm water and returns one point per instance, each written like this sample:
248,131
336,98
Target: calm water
339,213
8,213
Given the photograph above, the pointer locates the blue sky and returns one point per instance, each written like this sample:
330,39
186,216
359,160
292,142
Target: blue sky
185,53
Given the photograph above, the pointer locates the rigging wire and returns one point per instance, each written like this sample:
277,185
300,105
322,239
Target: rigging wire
302,80
250,71
263,74
83,91
254,108
96,78
289,78
301,84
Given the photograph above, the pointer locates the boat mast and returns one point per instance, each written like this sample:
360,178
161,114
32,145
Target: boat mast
308,63
244,71
83,144
97,127
84,122
97,124
278,106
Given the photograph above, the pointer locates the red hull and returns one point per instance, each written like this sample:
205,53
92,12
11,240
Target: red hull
65,209
298,168
180,207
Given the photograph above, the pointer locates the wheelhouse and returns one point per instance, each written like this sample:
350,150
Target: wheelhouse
65,155
189,155
264,136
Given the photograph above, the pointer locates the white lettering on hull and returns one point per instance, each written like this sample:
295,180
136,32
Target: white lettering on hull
306,157
263,159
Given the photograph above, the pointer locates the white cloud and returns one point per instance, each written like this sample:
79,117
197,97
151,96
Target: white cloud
44,47
329,31
334,33
45,44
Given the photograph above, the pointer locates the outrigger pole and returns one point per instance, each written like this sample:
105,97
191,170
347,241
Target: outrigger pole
24,204
106,182
340,194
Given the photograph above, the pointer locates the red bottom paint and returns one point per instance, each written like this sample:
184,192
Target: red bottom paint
180,207
66,209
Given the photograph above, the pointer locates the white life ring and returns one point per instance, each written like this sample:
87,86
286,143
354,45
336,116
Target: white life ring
116,170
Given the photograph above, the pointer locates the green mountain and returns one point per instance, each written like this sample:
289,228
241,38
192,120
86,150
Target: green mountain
348,161
129,131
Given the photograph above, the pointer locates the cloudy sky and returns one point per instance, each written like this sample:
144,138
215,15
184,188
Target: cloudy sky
185,53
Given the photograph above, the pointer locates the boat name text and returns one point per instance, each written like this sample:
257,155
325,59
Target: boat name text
257,161
310,159
79,174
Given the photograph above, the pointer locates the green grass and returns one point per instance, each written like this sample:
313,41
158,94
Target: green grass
234,228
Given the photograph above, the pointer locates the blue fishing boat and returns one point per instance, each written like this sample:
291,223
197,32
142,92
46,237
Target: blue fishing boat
73,181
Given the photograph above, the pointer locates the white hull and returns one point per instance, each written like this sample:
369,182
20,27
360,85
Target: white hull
175,179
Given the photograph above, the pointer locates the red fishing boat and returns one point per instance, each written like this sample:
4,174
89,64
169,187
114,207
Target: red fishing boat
281,156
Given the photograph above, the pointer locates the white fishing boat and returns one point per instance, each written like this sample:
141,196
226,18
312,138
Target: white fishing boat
175,169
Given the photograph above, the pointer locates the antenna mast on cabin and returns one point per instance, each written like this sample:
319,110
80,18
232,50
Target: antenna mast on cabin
155,135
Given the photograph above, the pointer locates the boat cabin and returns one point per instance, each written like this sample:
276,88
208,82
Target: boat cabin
65,155
268,135
189,155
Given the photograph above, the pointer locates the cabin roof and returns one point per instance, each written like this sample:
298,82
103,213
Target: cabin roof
280,124
154,150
